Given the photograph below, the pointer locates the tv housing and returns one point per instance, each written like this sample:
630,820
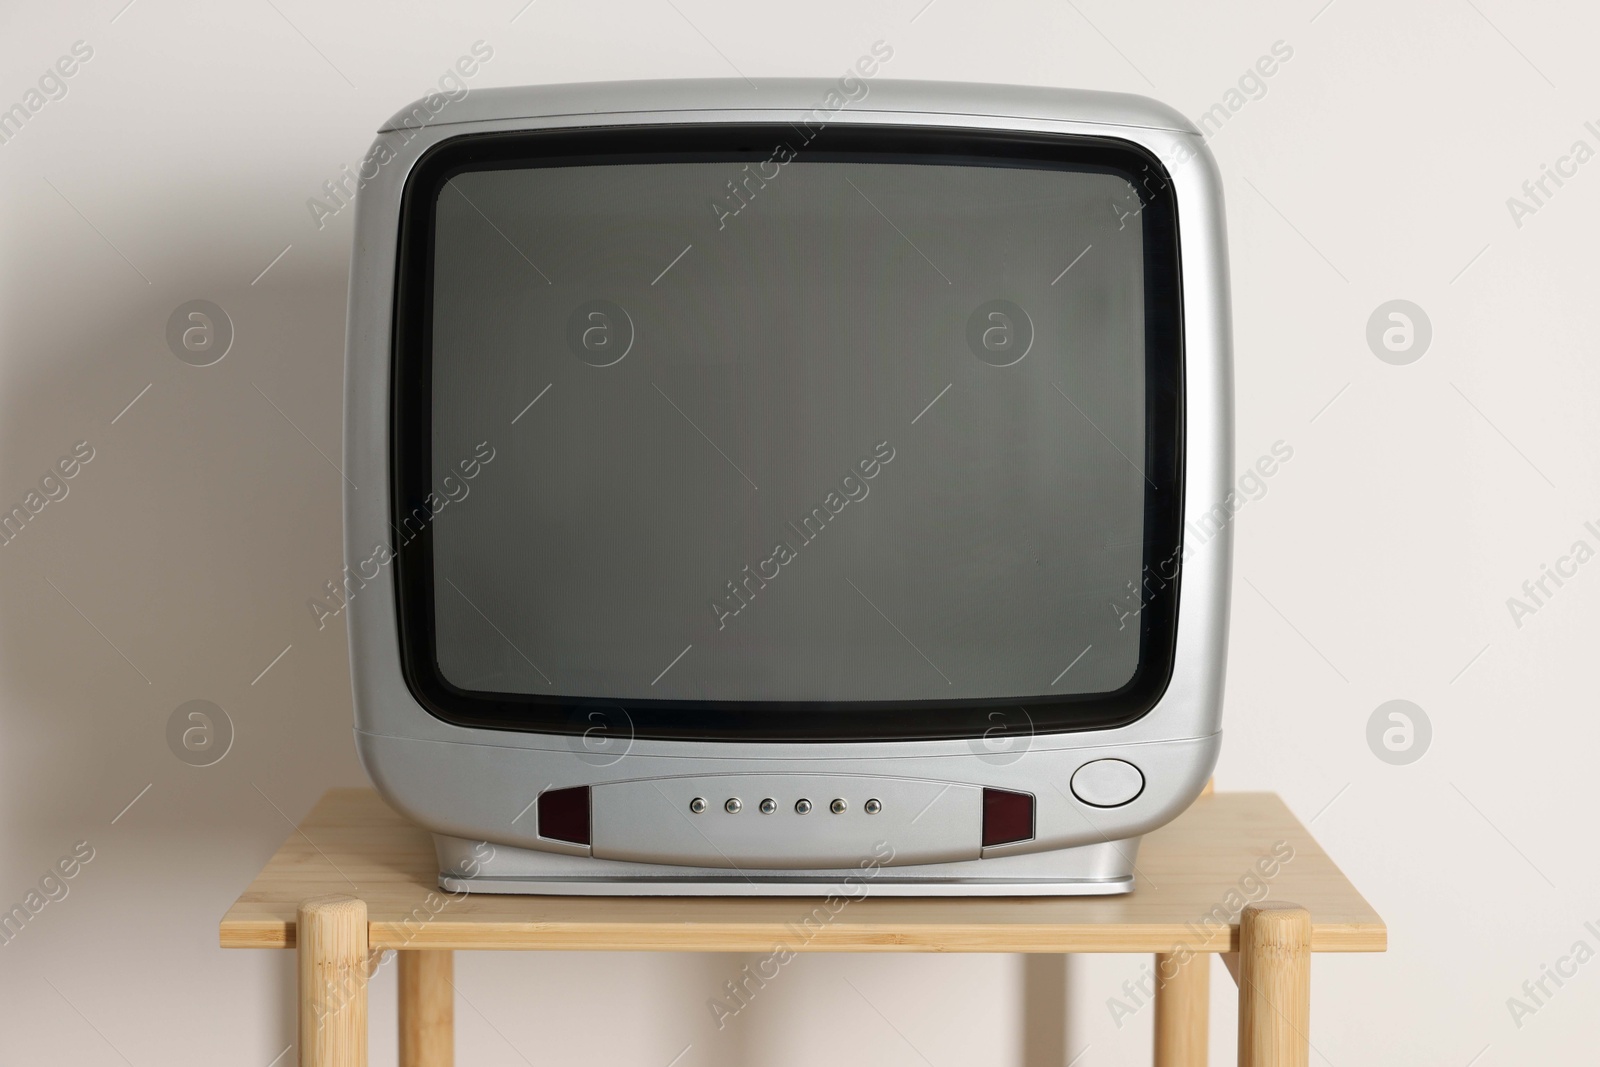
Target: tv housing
768,484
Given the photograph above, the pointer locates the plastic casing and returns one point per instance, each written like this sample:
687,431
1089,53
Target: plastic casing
479,783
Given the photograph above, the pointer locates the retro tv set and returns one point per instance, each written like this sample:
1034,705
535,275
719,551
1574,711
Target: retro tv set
763,485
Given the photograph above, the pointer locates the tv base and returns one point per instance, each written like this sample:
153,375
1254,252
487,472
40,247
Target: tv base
1101,869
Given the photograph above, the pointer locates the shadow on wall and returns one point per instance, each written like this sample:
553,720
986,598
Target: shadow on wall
166,561
1044,1009
174,564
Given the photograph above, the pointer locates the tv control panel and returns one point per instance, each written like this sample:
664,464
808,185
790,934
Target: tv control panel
787,821
803,806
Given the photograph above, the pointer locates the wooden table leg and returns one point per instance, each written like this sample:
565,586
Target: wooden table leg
1274,986
427,1008
1183,1009
331,939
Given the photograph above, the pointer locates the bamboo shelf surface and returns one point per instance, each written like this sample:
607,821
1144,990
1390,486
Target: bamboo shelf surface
1193,876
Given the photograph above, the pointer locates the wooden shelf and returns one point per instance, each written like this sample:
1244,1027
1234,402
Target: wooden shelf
1190,874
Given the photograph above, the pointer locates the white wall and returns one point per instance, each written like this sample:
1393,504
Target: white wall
1375,167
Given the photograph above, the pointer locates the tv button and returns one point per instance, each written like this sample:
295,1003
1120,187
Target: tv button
697,805
732,806
1107,783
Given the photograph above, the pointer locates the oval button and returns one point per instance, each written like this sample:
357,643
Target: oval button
1107,783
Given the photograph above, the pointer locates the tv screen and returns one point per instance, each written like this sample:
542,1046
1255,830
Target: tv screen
873,438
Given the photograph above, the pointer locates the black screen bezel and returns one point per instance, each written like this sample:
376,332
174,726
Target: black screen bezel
1156,601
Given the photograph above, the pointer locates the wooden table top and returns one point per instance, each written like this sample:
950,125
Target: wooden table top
1193,876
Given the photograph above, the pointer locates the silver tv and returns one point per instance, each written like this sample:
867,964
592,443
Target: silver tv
767,487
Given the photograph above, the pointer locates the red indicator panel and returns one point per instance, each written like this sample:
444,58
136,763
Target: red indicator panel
564,814
1007,816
